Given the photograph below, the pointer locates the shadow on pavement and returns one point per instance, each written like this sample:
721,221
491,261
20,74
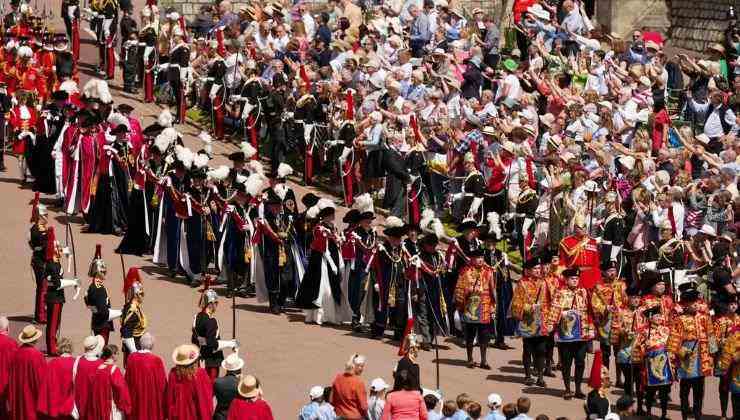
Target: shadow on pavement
506,378
535,390
511,369
451,362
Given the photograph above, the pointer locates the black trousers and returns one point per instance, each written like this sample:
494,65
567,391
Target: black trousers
2,143
696,387
573,353
472,330
535,349
606,352
631,377
662,391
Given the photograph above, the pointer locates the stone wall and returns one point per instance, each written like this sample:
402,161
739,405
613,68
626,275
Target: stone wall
697,23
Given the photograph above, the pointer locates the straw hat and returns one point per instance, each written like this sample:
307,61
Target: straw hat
717,47
29,334
185,355
93,344
248,387
232,362
489,131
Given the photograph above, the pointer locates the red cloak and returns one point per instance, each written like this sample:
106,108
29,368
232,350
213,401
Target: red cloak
8,346
108,387
80,154
241,409
136,135
147,379
83,383
57,394
189,398
27,372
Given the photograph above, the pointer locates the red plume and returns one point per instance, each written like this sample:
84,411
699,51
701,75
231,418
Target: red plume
594,380
304,76
415,126
207,282
131,277
98,252
349,114
35,208
51,239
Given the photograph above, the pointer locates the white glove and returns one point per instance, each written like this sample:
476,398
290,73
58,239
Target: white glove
68,283
114,314
130,344
616,249
224,344
474,206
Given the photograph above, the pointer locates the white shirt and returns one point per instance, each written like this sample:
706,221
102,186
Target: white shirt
309,24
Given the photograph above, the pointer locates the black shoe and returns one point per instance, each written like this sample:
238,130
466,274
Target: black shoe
529,381
485,366
580,395
2,168
471,364
549,374
567,395
541,383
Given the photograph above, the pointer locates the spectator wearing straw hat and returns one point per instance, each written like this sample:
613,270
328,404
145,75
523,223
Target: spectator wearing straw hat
189,391
26,373
249,404
225,389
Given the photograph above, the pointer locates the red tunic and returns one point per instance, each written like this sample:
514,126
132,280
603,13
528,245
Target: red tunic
8,346
32,80
146,378
83,383
189,398
57,396
242,409
27,372
582,253
108,387
23,119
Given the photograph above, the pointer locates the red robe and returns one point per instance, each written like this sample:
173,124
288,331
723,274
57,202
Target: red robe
242,409
582,253
146,378
8,346
27,372
135,136
78,167
83,384
57,395
108,387
189,399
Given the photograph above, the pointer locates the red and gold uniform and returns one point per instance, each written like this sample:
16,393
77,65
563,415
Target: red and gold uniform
531,306
692,343
10,74
474,294
32,80
582,252
23,120
606,299
45,60
570,317
729,361
651,300
650,351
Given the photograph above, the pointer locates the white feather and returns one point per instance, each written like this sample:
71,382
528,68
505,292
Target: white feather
104,92
281,190
284,170
494,225
205,137
184,155
255,184
393,222
90,90
325,203
363,203
218,174
162,141
69,86
312,212
25,51
255,167
241,179
165,119
116,119
171,133
247,149
438,228
200,160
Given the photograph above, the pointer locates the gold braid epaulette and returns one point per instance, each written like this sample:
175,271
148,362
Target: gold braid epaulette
576,249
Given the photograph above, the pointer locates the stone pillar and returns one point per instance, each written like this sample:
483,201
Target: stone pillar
622,16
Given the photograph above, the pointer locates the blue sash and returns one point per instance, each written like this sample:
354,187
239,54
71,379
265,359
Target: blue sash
690,366
658,367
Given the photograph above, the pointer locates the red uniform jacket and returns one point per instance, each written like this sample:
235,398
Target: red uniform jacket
582,253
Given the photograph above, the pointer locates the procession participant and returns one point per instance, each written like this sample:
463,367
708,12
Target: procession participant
553,280
83,371
581,251
8,346
27,371
475,300
39,243
668,254
146,379
133,320
364,239
65,64
526,210
274,110
97,299
225,389
472,191
71,15
456,257
654,294
56,399
30,78
55,291
80,151
108,15
109,397
613,236
44,59
530,306
197,230
10,19
169,218
271,242
23,122
387,291
149,57
432,270
189,391
692,343
623,326
51,124
570,317
650,351
110,205
499,261
130,59
235,252
5,106
724,321
320,294
177,73
136,240
207,335
606,300
728,365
